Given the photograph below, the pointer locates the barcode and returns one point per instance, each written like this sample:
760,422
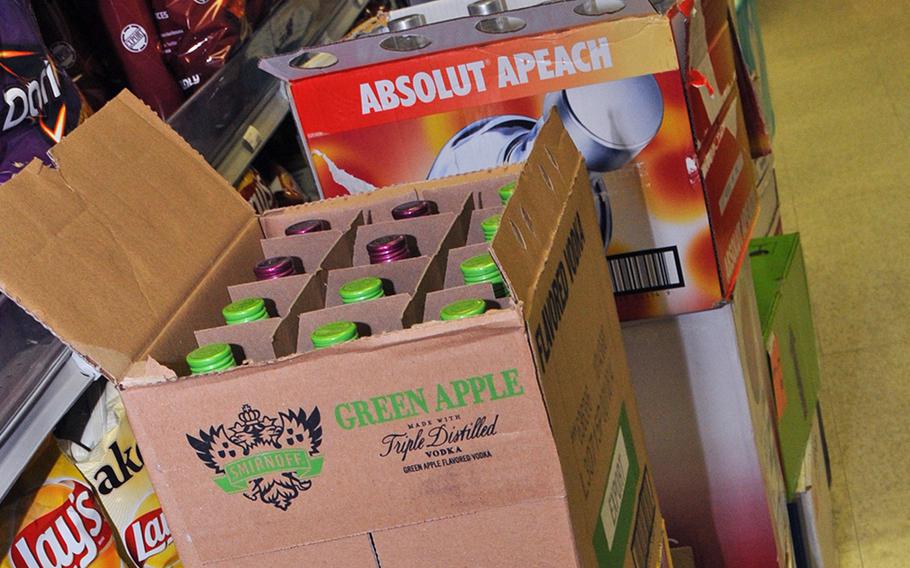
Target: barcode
644,523
646,271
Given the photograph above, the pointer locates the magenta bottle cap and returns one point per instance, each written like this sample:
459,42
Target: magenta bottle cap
413,209
389,249
275,267
309,226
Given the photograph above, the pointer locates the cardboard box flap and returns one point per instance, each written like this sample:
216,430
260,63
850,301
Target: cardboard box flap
532,216
106,270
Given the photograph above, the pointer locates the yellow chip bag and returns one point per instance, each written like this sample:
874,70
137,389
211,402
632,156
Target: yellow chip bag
51,519
109,458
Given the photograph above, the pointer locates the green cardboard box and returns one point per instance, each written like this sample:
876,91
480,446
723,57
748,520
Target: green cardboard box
785,313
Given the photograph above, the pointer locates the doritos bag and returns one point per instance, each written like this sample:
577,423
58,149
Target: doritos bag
109,458
39,103
52,519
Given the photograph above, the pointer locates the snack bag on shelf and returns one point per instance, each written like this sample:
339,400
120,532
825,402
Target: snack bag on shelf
199,36
70,44
39,103
109,458
52,518
132,30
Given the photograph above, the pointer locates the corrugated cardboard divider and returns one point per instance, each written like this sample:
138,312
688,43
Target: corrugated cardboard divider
281,294
399,277
372,318
426,233
439,299
454,276
277,336
275,221
475,232
71,225
483,193
315,250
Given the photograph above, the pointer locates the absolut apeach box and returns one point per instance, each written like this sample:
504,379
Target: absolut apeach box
472,93
506,439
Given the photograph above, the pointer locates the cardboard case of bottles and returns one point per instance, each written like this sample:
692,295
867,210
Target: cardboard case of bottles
647,95
511,438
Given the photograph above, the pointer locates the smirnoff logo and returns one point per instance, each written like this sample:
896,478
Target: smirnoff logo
147,536
70,536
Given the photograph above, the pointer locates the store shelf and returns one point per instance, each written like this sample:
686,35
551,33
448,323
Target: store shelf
230,119
40,380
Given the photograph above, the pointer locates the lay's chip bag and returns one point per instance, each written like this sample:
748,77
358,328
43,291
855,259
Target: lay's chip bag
107,455
51,519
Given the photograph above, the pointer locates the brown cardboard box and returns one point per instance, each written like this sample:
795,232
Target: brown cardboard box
329,458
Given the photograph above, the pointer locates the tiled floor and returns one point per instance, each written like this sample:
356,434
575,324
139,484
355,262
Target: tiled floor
840,80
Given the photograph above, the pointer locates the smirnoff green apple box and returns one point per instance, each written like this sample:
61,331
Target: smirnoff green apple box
507,439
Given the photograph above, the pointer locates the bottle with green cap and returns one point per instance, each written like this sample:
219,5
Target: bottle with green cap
506,191
245,310
490,226
333,333
210,358
361,290
481,268
463,309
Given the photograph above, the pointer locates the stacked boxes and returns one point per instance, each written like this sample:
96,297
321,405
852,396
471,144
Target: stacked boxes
675,193
509,438
782,293
704,392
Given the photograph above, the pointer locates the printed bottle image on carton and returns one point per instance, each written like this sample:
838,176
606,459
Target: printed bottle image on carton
461,100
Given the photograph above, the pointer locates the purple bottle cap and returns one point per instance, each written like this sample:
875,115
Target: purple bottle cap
413,209
275,267
388,249
309,226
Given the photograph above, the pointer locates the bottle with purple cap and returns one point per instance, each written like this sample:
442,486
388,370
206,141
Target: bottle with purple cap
412,209
389,249
308,226
275,267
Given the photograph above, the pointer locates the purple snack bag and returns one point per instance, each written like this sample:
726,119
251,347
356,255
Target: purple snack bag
39,103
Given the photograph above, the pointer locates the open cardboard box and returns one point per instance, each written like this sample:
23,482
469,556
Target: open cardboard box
509,439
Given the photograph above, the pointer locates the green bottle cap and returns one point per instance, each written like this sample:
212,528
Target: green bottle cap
211,357
490,226
463,309
361,290
333,334
480,268
245,310
506,191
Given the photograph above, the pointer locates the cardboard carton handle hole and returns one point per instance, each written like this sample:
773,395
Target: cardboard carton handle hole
546,179
527,218
406,42
314,60
500,25
518,236
552,158
599,7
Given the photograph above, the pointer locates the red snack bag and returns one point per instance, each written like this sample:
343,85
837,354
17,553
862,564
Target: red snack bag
200,36
135,38
52,518
256,10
